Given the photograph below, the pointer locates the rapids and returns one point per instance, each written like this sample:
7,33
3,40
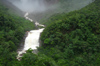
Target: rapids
32,39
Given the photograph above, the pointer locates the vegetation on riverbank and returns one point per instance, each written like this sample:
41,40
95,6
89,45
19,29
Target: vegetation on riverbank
12,30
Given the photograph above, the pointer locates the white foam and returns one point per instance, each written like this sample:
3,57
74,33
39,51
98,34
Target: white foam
32,39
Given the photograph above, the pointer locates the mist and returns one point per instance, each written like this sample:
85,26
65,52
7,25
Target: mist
35,6
43,9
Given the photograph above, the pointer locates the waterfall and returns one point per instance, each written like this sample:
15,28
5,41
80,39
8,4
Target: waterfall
32,39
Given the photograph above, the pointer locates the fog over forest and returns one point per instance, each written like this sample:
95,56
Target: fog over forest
42,9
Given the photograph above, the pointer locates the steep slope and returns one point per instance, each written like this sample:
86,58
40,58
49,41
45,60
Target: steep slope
74,37
12,30
12,9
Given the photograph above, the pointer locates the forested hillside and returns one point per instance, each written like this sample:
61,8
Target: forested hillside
70,39
73,39
12,30
64,6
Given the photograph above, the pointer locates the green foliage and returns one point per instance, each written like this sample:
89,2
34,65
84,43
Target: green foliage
12,30
75,35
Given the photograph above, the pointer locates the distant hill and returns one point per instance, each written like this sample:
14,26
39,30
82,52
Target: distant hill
12,8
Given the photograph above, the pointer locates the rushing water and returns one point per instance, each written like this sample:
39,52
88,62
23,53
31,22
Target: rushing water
32,39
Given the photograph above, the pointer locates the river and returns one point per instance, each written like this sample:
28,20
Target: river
32,39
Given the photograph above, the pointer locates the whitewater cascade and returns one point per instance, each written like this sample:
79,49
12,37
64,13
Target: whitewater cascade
32,39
